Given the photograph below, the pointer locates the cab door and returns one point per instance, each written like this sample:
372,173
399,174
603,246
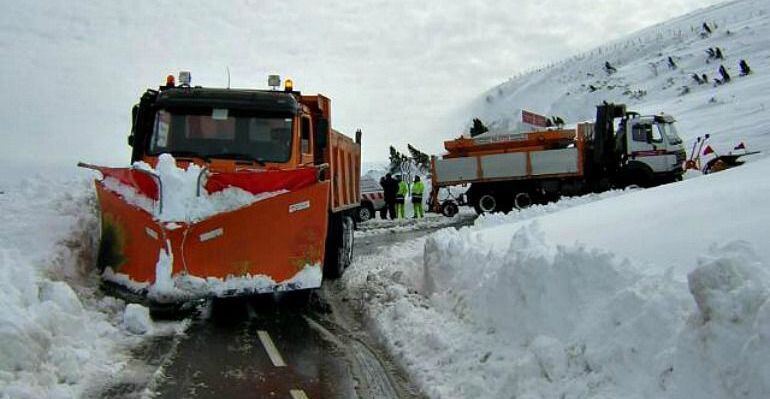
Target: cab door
646,144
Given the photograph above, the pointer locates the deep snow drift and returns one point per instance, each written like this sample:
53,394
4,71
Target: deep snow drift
59,335
649,293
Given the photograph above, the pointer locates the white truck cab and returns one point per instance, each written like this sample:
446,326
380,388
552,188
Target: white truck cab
652,150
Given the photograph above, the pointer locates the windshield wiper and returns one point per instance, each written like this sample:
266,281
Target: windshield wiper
239,156
188,154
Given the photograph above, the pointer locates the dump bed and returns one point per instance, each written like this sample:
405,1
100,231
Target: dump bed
344,157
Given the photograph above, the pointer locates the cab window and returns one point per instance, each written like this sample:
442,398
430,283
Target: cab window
640,132
237,134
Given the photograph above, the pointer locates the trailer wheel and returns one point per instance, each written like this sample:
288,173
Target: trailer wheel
522,200
486,203
339,248
449,209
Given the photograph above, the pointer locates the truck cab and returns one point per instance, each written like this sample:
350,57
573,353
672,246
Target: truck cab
651,149
228,130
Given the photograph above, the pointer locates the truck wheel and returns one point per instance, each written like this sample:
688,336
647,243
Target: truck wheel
639,175
339,248
449,209
522,200
486,203
365,212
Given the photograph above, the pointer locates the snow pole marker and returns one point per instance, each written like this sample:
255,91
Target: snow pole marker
692,153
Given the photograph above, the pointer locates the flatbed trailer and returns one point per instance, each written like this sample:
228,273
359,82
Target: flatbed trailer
515,170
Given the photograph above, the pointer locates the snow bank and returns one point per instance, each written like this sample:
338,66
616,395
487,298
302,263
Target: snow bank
430,221
58,335
661,292
180,199
49,339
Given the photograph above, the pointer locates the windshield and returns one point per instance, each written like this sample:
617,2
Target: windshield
222,133
669,130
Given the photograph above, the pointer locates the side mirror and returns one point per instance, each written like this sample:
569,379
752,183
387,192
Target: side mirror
358,136
131,140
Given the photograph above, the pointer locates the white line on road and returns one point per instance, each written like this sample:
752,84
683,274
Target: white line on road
298,394
272,351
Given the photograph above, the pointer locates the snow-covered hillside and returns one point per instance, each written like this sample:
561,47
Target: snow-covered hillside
731,113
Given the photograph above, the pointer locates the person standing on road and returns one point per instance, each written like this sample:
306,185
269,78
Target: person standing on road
389,188
418,188
403,189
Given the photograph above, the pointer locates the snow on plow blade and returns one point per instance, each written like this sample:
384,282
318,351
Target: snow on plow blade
260,232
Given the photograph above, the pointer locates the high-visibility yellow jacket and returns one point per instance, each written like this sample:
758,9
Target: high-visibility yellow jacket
418,188
403,189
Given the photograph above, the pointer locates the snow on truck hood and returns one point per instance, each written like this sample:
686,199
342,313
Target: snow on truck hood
181,202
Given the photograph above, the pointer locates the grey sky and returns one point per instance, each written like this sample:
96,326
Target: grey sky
401,71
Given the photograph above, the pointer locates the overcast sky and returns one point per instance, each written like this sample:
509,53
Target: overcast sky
403,71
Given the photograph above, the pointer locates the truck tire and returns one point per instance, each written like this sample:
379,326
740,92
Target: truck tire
639,174
339,246
486,203
522,200
449,209
365,212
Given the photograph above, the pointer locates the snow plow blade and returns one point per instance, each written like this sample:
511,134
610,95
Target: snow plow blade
275,243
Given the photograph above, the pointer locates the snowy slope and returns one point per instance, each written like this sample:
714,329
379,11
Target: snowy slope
662,292
731,113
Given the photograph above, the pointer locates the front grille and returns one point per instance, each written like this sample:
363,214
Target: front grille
680,156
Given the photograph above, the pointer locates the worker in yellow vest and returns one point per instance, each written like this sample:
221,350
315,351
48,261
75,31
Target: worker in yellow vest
418,188
403,189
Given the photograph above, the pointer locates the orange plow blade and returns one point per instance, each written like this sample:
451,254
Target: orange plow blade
273,244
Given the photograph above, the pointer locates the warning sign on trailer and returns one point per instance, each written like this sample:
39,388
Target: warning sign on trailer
533,119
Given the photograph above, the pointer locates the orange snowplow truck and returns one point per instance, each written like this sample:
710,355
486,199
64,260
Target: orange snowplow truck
270,205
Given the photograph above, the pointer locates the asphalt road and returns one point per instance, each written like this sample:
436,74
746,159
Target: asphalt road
275,346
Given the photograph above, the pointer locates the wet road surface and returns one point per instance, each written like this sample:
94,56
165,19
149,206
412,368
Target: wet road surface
255,346
292,345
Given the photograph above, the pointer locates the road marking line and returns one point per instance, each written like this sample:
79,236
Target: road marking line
298,394
272,351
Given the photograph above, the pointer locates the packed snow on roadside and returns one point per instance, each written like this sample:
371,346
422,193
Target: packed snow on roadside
430,221
661,292
181,202
59,335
